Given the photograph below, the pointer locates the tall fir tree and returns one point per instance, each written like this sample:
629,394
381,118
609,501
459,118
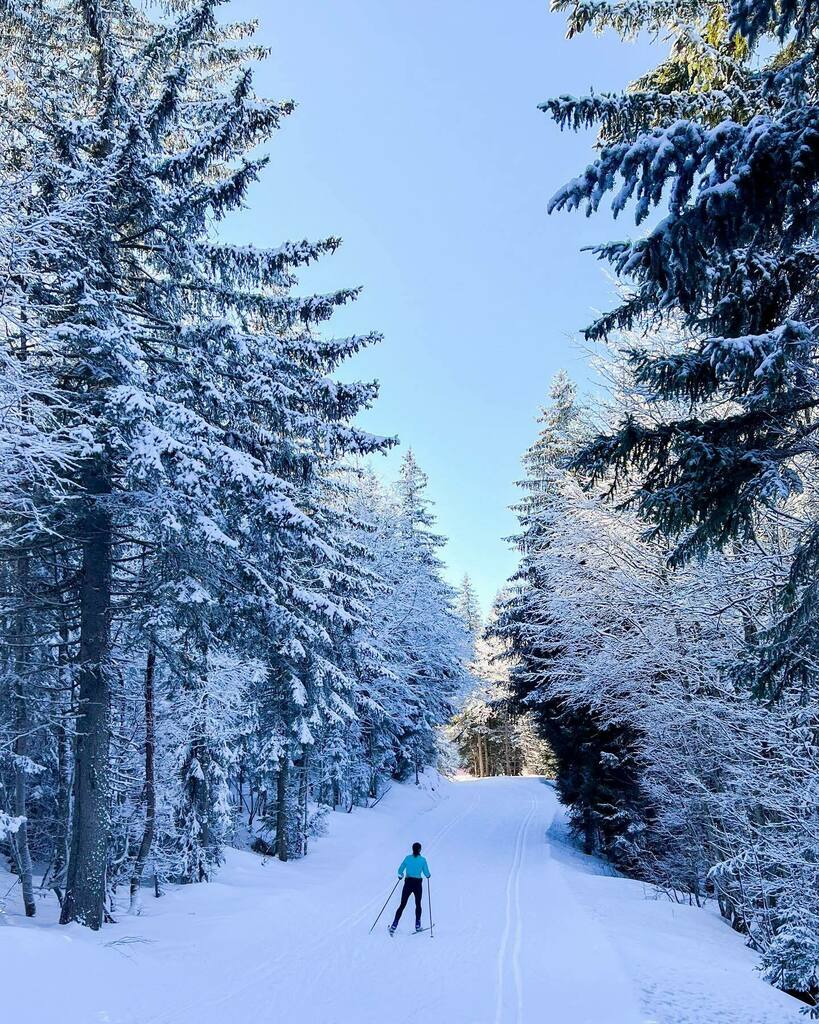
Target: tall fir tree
716,454
192,381
597,776
468,607
721,135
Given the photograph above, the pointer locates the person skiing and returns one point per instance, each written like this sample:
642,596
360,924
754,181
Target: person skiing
414,866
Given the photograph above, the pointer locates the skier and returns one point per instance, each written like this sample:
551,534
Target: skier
414,866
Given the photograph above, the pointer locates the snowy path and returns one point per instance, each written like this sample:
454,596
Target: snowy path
526,931
511,937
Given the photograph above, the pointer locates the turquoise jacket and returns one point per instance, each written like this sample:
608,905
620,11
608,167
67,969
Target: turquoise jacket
414,867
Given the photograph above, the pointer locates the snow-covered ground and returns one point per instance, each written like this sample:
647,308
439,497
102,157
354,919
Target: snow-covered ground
526,930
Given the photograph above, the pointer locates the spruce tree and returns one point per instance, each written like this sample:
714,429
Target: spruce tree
493,734
718,144
720,136
193,381
597,772
468,607
434,641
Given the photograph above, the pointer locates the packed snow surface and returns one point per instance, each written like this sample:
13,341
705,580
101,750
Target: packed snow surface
527,931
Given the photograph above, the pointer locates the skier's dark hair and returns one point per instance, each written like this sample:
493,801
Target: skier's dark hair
416,849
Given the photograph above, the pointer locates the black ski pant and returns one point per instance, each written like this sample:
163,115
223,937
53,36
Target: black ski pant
412,887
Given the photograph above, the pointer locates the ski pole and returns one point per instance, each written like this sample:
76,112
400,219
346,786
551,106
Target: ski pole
429,898
386,901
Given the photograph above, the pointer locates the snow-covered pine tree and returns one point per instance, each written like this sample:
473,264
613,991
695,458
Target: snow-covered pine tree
488,729
642,650
194,385
413,646
378,658
722,135
722,138
596,767
35,456
434,642
468,608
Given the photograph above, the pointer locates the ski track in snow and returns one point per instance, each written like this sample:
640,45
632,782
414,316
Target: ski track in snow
527,931
516,949
512,911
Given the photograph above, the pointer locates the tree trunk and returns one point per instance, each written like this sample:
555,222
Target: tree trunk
63,811
22,854
85,888
507,746
65,684
150,785
304,796
588,832
281,808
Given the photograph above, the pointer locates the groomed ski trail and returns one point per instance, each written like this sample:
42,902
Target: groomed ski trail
494,884
268,968
527,931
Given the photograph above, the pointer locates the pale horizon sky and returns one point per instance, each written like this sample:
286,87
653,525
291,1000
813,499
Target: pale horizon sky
418,140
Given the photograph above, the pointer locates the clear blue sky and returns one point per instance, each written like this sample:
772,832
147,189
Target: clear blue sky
417,139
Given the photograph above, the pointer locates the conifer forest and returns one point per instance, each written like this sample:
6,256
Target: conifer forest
253,643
